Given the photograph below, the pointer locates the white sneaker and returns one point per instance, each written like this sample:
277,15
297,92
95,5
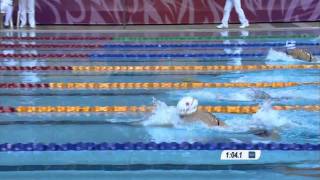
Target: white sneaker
222,26
22,25
32,26
244,25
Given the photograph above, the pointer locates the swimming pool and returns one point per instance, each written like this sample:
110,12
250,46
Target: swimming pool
86,86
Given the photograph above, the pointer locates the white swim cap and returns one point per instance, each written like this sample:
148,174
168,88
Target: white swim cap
291,45
187,105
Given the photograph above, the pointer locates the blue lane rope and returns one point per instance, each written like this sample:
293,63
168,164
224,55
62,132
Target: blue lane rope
175,55
139,146
162,46
202,55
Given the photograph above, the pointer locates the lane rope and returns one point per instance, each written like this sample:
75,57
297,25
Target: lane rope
150,85
156,68
148,46
113,109
136,56
152,146
53,38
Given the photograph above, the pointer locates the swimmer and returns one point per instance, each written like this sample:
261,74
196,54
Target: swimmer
297,53
188,111
258,94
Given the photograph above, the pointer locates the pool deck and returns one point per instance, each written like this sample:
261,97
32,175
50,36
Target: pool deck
172,28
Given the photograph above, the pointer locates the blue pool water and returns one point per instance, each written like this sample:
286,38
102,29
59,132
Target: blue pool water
298,126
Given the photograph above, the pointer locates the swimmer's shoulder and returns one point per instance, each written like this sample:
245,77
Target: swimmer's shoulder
214,119
199,115
301,54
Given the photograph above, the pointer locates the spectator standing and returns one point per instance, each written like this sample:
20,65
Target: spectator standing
227,10
6,8
27,13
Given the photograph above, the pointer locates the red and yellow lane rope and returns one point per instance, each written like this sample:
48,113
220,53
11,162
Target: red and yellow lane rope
191,68
171,85
156,68
110,109
150,85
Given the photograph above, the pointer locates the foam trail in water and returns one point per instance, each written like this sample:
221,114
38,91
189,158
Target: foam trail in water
268,117
237,130
279,56
316,39
163,115
280,76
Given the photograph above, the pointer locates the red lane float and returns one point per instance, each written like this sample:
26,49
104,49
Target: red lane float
61,38
24,85
7,109
51,46
36,68
44,56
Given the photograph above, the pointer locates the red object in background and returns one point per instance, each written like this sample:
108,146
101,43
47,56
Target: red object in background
171,11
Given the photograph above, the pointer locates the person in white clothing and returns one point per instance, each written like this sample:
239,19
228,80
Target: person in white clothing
27,7
227,10
7,9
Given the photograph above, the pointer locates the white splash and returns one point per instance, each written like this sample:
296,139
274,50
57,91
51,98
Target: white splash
316,39
278,56
163,115
165,125
267,117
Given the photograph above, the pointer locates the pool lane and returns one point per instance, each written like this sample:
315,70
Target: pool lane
219,49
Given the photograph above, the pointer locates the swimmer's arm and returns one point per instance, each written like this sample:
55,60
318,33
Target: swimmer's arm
214,121
264,133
